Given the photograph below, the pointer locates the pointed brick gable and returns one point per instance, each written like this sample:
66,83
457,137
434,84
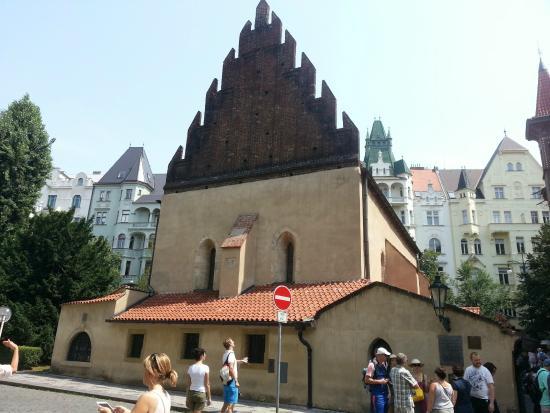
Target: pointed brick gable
265,120
239,232
543,92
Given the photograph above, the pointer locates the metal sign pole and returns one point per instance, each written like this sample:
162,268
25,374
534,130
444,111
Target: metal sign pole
2,325
278,369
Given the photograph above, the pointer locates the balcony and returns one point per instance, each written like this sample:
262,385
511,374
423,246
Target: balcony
134,253
397,200
499,228
469,229
130,279
142,225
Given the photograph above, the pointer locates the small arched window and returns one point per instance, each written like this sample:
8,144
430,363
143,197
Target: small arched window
151,242
290,262
518,166
80,348
509,166
205,266
211,268
435,245
285,254
132,241
121,241
464,246
80,181
477,246
76,201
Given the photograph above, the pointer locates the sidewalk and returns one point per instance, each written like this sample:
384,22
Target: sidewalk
129,394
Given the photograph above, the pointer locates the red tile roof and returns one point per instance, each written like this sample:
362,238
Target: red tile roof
239,232
475,310
255,305
543,92
423,177
115,295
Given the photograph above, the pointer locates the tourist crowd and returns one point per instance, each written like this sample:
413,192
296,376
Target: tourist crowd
395,389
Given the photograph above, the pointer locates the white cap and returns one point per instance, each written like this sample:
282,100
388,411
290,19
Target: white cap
382,350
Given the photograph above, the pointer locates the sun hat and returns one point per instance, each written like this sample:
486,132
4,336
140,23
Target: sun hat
382,350
393,356
416,362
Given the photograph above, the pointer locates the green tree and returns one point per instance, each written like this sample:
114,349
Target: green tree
476,288
25,162
533,296
429,265
51,261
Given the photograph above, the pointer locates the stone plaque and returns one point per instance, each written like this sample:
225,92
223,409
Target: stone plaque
284,372
450,351
474,342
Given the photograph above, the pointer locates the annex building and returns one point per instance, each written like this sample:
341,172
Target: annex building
269,191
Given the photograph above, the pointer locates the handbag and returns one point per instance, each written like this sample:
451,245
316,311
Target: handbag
418,394
224,371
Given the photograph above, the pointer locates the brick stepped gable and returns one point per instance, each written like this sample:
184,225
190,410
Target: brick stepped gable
265,121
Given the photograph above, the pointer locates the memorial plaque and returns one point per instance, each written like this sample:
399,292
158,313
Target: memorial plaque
450,351
474,342
271,366
284,372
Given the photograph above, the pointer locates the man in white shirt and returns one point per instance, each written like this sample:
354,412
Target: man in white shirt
6,370
483,387
230,390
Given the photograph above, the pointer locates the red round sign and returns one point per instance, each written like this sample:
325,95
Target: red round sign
282,297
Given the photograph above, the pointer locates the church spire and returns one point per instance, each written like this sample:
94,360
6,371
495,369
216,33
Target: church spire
543,92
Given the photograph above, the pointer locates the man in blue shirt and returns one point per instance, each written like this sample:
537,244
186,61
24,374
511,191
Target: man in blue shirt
377,377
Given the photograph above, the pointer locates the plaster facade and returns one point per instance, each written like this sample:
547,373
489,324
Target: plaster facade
341,339
62,192
495,220
432,217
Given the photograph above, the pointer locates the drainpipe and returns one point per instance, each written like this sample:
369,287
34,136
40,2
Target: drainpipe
301,330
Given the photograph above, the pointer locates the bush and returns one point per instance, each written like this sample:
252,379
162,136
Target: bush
28,356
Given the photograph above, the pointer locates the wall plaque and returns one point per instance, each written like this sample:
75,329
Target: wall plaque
450,350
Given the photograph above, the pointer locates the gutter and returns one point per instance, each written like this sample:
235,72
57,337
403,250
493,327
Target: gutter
301,328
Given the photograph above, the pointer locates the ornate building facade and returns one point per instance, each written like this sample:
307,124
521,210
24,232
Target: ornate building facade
393,177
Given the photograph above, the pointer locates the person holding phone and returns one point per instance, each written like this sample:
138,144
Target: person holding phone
6,370
157,373
198,383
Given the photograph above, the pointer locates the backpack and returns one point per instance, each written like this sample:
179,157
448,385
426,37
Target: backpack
533,389
224,371
363,375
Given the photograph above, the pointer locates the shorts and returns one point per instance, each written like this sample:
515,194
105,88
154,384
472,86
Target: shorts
230,393
196,400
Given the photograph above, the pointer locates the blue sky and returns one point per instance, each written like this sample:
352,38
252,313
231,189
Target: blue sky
446,76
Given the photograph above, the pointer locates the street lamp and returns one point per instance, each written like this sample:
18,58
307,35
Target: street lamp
5,315
438,290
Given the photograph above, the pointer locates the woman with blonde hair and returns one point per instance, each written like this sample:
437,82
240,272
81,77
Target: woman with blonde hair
157,373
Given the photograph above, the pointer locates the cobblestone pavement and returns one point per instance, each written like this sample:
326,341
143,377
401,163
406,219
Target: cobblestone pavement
44,392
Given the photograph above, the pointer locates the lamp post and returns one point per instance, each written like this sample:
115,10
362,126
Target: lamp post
438,290
5,315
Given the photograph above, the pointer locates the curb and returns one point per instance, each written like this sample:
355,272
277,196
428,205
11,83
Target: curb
81,393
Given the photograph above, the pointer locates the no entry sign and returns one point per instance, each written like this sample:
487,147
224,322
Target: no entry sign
282,297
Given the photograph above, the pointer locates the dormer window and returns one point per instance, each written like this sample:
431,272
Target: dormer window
121,175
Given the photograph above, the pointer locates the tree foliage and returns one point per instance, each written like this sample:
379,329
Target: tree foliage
429,264
476,288
51,261
533,297
25,162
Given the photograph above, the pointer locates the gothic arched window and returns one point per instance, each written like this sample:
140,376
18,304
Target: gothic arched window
80,348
